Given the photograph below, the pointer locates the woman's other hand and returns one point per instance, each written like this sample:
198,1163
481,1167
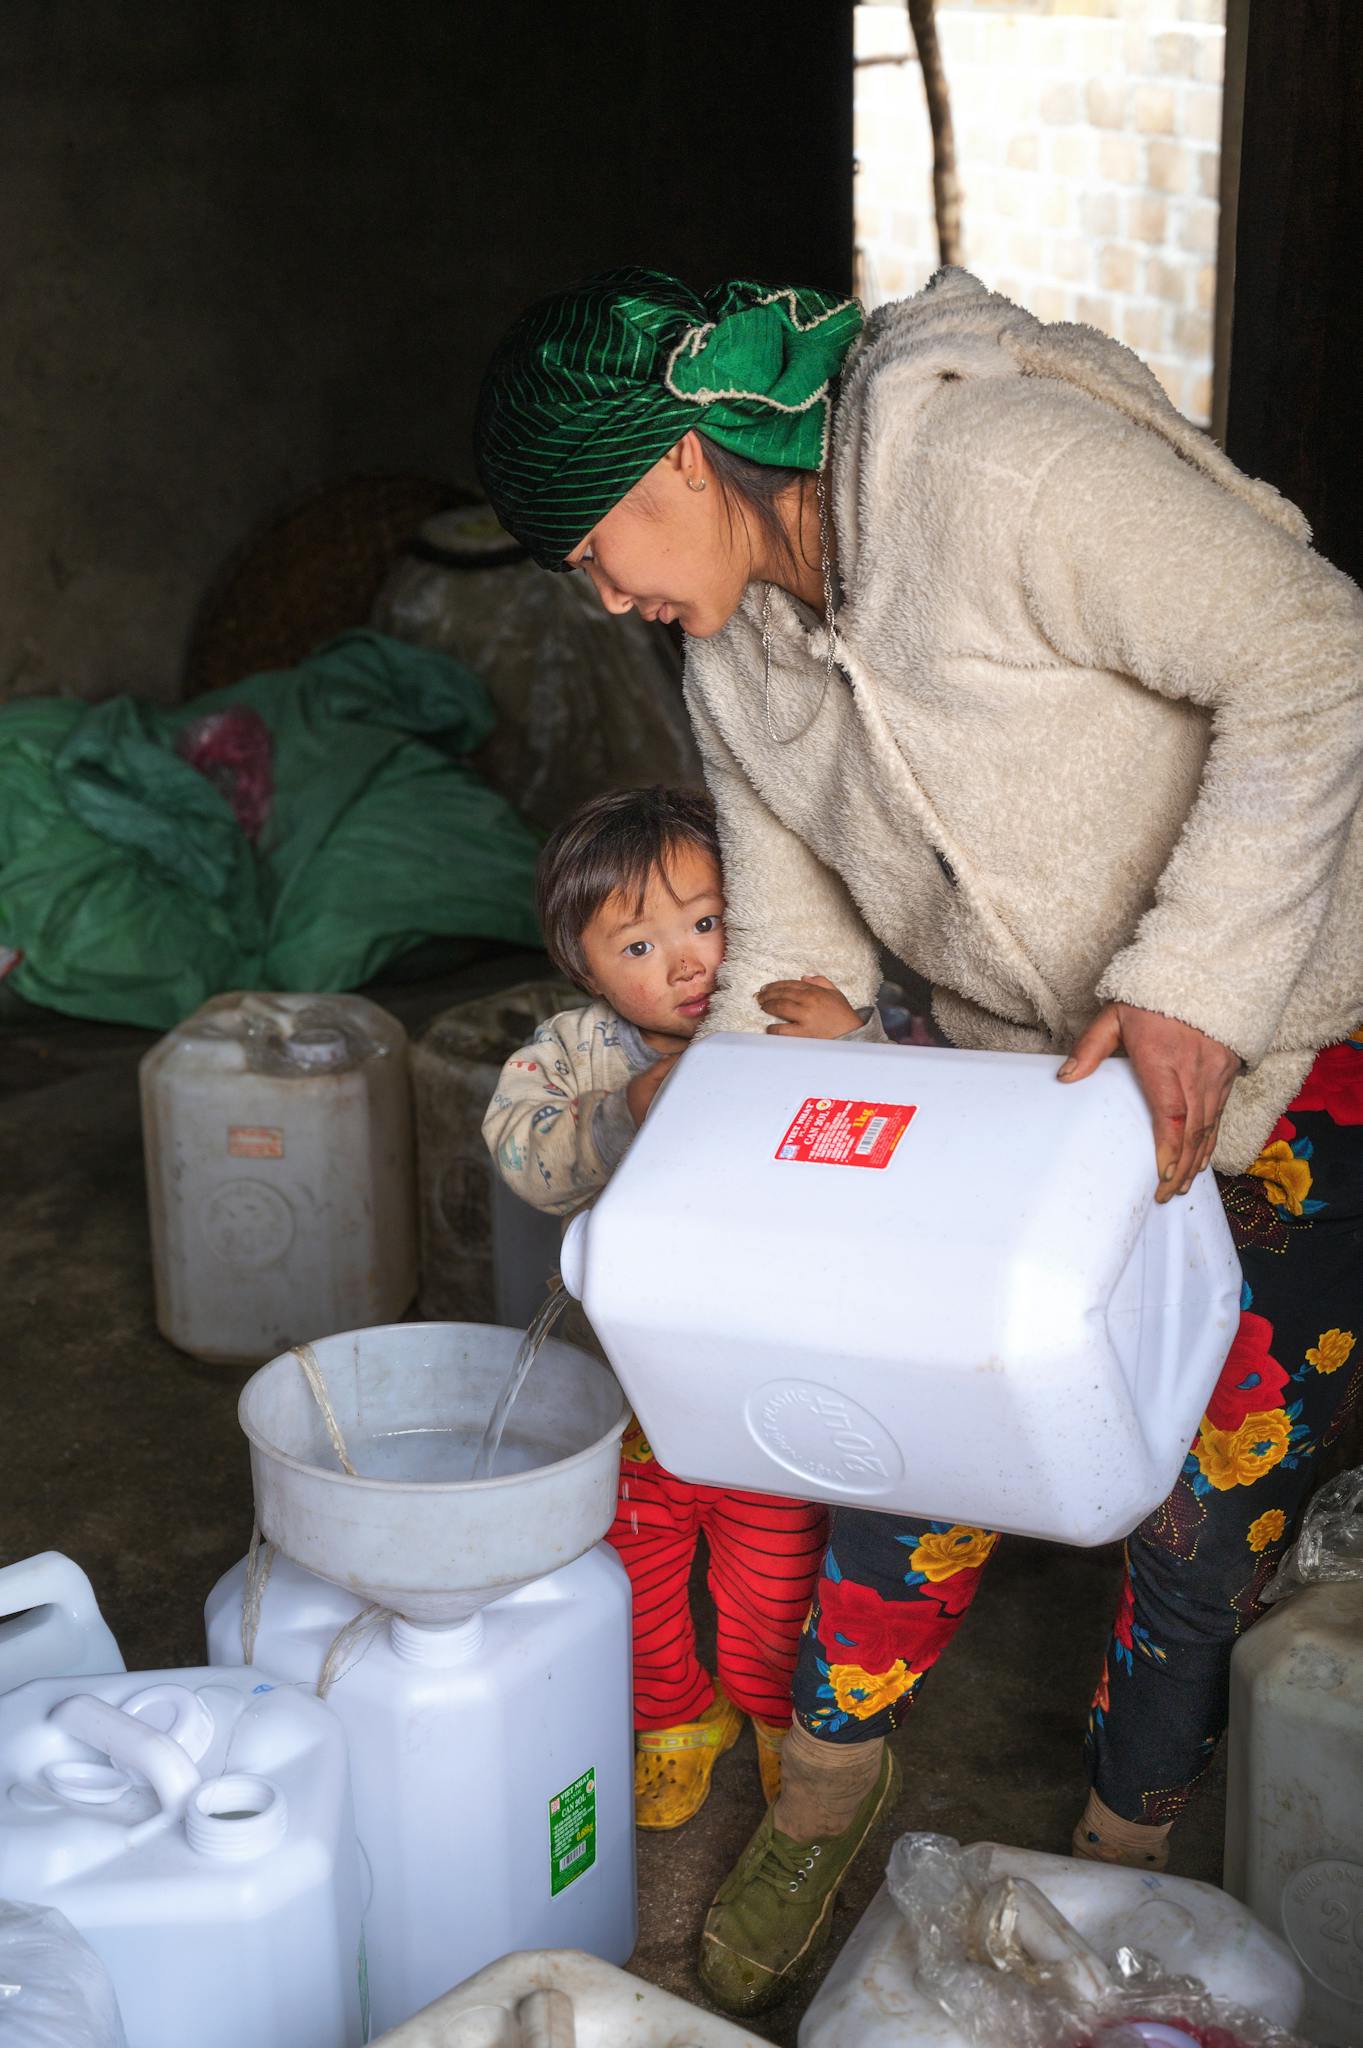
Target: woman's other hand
809,1008
644,1087
1184,1075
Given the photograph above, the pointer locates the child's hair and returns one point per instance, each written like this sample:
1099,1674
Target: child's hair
612,845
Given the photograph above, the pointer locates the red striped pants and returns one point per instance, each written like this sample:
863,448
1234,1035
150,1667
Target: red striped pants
764,1559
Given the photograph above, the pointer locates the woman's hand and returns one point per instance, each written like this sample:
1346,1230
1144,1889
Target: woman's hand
642,1089
1184,1075
811,1007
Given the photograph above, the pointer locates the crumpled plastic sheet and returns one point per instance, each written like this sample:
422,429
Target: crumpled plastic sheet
234,750
1329,1547
1010,1972
54,1990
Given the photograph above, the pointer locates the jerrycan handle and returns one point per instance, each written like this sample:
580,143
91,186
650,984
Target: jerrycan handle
47,1580
572,1255
131,1744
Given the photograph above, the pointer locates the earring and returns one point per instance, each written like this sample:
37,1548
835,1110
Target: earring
695,483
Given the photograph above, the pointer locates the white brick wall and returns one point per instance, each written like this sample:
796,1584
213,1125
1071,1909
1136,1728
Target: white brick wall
1087,140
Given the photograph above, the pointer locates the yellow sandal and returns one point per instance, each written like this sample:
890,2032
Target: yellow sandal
672,1766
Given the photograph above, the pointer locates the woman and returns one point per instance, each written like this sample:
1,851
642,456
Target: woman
996,661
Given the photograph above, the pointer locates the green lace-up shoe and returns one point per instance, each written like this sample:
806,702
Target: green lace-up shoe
771,1916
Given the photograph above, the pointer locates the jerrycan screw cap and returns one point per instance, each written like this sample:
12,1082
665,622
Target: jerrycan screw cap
317,1048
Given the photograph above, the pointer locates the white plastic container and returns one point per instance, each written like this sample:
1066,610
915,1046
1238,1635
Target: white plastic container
50,1623
1294,1794
195,1827
924,1281
610,2009
868,2000
492,1762
280,1176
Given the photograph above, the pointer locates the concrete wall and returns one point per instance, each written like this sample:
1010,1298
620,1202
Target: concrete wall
1088,144
250,248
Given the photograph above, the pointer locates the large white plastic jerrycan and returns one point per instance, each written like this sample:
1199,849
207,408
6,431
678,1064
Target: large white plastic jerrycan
492,1762
869,1998
1294,1794
50,1623
280,1174
917,1280
195,1826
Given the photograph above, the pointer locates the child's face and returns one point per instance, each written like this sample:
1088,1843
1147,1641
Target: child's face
657,966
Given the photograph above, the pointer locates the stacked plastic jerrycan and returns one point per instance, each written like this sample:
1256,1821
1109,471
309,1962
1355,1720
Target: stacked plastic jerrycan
473,1638
195,1827
922,1281
1294,1791
50,1623
278,1138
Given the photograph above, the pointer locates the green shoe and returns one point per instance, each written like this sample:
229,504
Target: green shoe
771,1916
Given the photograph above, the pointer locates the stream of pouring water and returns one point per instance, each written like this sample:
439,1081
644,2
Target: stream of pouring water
546,1315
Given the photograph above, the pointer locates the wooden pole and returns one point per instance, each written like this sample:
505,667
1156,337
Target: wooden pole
946,190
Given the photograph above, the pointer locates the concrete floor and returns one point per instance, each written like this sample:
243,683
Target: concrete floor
124,1453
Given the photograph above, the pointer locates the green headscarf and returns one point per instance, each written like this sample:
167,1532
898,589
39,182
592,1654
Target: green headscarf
593,386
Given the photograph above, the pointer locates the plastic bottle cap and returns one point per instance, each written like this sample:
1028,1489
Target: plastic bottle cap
320,1046
236,1817
85,1784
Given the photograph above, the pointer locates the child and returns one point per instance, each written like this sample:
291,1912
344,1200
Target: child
632,909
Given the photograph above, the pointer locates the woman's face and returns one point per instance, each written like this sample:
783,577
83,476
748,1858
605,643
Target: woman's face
670,551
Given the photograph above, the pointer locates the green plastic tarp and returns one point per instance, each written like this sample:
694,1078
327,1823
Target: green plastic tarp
132,893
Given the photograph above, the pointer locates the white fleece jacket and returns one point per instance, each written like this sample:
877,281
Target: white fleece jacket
1098,727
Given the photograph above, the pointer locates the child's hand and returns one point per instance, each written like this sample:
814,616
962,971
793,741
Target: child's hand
642,1089
809,1008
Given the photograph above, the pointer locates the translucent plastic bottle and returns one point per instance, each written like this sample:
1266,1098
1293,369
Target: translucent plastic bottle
280,1176
196,1828
492,1762
1294,1794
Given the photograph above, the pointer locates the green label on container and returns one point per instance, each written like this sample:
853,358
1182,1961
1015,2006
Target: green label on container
572,1832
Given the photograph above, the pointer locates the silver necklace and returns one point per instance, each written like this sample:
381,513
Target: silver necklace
786,739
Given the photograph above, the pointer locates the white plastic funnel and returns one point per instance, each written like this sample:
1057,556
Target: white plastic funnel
412,1399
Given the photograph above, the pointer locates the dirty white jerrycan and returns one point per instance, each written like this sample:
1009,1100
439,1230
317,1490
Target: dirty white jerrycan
195,1827
492,1762
1294,1794
50,1623
916,1280
280,1176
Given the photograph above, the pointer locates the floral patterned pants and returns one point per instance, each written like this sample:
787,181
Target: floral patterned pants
891,1592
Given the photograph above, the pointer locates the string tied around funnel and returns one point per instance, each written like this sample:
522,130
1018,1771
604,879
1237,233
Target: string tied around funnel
353,1638
312,1373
